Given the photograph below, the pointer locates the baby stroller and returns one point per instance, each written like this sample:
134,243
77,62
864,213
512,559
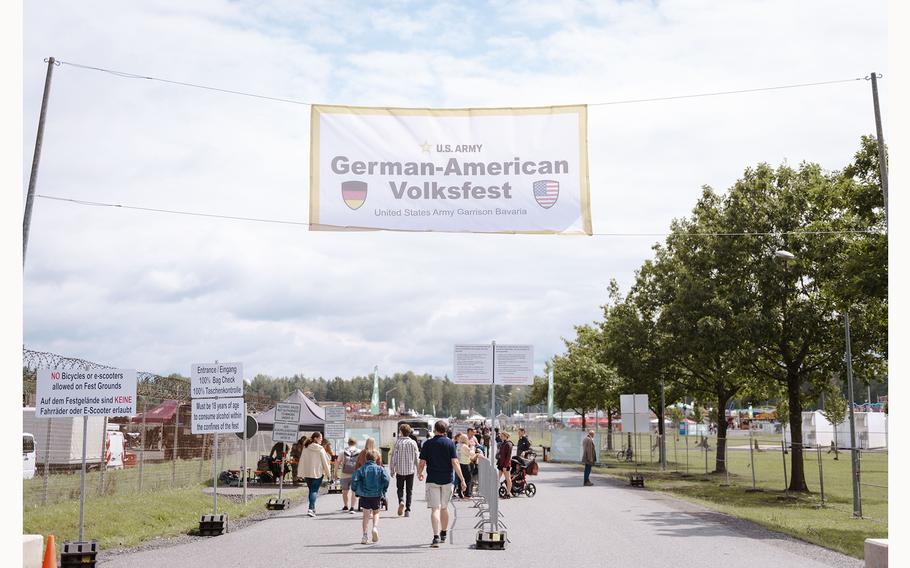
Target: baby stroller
521,468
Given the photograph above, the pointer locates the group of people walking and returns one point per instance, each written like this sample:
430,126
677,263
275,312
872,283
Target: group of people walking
446,462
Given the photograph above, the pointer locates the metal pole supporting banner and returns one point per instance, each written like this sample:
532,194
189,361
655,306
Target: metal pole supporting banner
243,471
36,158
854,459
882,162
82,480
663,428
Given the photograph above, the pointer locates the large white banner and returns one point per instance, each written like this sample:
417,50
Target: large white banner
519,170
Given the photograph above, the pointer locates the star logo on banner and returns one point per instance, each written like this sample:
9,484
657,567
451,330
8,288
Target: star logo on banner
425,147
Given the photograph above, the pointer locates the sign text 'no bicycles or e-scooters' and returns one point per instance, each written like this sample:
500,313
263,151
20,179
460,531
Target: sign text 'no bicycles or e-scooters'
99,392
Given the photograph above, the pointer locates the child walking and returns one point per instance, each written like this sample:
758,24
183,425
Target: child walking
370,483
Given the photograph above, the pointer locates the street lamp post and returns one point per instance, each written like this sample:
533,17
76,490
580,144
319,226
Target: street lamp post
391,390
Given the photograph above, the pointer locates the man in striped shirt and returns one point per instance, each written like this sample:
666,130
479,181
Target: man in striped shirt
403,466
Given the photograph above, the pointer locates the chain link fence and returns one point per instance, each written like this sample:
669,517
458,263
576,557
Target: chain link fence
749,461
153,450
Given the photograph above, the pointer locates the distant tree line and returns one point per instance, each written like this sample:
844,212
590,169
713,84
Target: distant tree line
410,391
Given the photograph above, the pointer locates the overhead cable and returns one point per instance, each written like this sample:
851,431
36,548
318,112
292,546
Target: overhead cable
128,75
305,224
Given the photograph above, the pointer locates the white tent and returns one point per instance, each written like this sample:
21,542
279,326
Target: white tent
312,416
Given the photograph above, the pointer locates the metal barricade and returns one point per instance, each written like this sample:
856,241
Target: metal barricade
488,508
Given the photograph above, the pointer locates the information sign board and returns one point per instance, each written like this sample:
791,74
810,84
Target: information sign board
334,430
514,364
636,418
100,392
285,432
334,414
288,412
473,364
212,380
217,415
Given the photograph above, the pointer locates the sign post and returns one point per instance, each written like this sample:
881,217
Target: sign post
335,427
634,411
100,392
217,407
285,430
482,364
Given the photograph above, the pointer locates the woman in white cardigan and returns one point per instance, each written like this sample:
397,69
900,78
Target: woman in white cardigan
314,467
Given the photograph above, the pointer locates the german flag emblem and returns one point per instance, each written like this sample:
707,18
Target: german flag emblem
354,193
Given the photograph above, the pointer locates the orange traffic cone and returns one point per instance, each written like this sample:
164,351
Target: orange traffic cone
50,553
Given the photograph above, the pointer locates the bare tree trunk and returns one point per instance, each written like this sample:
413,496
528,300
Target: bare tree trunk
720,461
609,429
797,473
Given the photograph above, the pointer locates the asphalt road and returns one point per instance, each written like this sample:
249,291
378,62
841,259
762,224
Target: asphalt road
564,525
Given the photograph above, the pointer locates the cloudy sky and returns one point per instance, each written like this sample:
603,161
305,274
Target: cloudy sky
158,292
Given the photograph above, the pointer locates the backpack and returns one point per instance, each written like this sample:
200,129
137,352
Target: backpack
350,461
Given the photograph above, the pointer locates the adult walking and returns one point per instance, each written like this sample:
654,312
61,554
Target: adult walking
588,455
403,466
438,457
524,445
348,467
315,468
504,461
296,450
466,458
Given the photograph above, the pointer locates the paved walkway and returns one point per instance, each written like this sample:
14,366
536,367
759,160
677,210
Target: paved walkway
564,525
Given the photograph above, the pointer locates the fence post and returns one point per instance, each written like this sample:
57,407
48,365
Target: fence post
705,447
142,442
783,456
821,477
202,458
675,454
859,487
103,460
687,449
752,456
174,451
47,459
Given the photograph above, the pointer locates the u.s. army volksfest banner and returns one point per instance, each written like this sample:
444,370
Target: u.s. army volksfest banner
510,170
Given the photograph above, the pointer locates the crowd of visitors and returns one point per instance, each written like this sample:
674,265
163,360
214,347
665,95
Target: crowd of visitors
447,462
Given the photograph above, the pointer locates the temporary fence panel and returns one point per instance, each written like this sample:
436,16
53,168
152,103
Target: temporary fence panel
565,445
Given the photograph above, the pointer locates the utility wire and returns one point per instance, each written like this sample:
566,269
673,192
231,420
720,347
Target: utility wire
305,224
127,75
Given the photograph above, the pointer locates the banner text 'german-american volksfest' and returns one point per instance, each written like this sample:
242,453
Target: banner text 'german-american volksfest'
515,170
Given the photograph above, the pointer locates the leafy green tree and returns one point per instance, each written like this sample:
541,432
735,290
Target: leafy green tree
835,411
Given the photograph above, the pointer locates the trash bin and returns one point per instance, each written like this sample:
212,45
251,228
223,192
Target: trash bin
385,454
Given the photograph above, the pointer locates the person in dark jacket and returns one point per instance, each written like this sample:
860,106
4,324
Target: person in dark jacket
370,482
504,461
524,445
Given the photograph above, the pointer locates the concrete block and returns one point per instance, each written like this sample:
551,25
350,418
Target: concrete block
876,553
32,550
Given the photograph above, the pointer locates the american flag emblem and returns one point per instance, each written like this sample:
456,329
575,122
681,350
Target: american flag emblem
546,192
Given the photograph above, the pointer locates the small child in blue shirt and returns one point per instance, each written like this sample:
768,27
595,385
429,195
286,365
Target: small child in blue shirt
370,483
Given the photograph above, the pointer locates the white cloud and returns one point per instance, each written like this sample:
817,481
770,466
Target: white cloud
159,292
